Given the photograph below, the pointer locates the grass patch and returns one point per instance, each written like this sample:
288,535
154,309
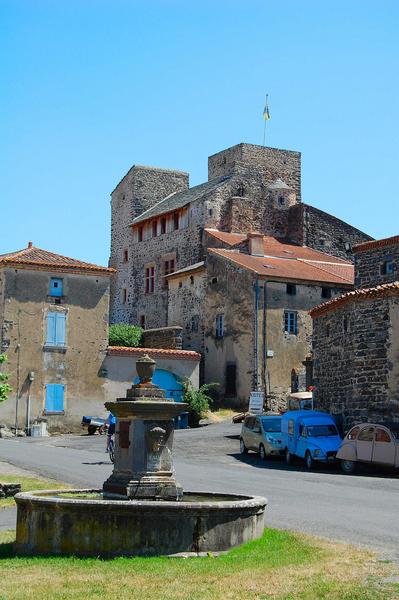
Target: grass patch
28,484
220,414
280,566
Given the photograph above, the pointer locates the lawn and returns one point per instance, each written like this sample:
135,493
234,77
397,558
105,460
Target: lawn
280,566
27,484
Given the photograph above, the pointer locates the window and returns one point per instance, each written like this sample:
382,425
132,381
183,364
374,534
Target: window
125,256
352,435
124,295
230,382
175,221
149,280
140,234
281,200
325,292
192,279
290,322
214,280
328,330
210,211
154,228
55,287
302,431
387,267
291,289
56,328
366,434
163,225
142,321
194,323
346,324
219,326
249,422
291,427
381,435
169,266
54,401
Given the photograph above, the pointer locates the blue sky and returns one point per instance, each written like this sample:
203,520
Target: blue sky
90,87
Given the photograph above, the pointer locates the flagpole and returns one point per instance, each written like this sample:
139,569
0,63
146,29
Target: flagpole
264,127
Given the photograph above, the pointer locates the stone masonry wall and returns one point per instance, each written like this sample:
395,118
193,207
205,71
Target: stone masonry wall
369,263
351,347
163,337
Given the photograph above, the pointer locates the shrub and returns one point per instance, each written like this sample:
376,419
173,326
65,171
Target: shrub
198,401
5,388
122,334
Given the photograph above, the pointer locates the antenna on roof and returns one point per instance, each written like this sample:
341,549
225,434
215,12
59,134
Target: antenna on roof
266,117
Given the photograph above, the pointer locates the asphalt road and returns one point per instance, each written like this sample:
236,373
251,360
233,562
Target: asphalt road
361,509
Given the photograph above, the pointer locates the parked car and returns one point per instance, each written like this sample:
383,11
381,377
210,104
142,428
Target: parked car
94,424
300,401
375,443
310,435
261,434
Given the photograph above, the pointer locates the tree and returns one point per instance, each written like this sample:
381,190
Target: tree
5,388
122,334
198,401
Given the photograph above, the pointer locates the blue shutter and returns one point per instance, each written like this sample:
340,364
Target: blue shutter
56,287
60,329
50,339
54,397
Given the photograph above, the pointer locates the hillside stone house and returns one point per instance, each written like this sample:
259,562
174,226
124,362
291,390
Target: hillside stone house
356,340
165,236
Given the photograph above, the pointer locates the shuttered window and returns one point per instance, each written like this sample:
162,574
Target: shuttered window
56,328
56,287
54,401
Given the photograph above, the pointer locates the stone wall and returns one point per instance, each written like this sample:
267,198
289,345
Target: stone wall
186,296
355,360
164,337
369,263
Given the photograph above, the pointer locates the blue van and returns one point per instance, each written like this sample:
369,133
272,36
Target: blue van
311,435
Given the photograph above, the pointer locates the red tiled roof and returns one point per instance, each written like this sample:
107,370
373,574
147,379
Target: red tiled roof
228,238
154,353
380,291
38,258
292,267
391,241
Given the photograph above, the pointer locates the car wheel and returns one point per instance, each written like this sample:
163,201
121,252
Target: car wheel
243,448
91,430
348,466
309,461
288,457
262,452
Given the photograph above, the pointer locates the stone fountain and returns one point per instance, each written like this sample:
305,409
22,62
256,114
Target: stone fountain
142,509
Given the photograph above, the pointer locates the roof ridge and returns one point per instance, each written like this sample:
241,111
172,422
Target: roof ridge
363,293
327,270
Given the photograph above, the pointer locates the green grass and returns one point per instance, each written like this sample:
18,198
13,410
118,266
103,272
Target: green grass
28,484
280,566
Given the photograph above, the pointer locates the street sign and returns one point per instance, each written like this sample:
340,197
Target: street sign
256,401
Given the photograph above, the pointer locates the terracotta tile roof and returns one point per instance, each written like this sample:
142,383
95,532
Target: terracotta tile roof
154,353
379,291
231,239
32,257
292,267
391,241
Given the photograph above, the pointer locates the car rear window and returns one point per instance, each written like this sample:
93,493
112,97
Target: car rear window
321,430
352,435
271,425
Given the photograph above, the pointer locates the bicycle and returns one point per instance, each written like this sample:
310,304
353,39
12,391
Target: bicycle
111,449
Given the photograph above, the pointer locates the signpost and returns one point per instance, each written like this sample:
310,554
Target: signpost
256,401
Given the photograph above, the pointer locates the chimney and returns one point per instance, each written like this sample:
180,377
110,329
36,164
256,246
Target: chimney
29,244
255,244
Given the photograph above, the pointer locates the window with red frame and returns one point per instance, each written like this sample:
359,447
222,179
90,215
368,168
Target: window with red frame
149,280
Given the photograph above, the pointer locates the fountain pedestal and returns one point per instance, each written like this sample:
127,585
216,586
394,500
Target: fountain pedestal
143,466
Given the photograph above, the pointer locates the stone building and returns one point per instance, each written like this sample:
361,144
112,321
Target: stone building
54,329
162,235
356,340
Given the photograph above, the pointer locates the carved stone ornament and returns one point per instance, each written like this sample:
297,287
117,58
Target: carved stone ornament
156,438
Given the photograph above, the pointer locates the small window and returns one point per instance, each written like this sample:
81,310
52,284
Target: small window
281,200
125,256
54,400
124,295
142,321
387,267
214,280
291,427
352,435
210,211
169,266
381,435
219,326
192,279
249,422
55,287
154,228
346,324
163,225
149,280
326,292
302,431
322,242
291,289
328,330
366,434
194,323
290,322
175,221
180,284
140,234
56,329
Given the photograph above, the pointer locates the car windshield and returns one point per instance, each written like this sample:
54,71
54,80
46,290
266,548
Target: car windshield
321,430
271,425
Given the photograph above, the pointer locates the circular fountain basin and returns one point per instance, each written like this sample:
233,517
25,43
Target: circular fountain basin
83,523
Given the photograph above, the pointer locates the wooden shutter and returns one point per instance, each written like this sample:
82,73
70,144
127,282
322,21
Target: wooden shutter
54,397
60,327
50,339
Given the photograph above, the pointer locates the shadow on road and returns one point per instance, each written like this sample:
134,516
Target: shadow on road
100,462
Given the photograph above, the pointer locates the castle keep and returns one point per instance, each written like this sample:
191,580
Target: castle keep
182,253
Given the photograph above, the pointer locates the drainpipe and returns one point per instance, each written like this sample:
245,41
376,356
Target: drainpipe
256,352
264,351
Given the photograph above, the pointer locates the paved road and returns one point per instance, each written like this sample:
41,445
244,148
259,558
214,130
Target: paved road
362,509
